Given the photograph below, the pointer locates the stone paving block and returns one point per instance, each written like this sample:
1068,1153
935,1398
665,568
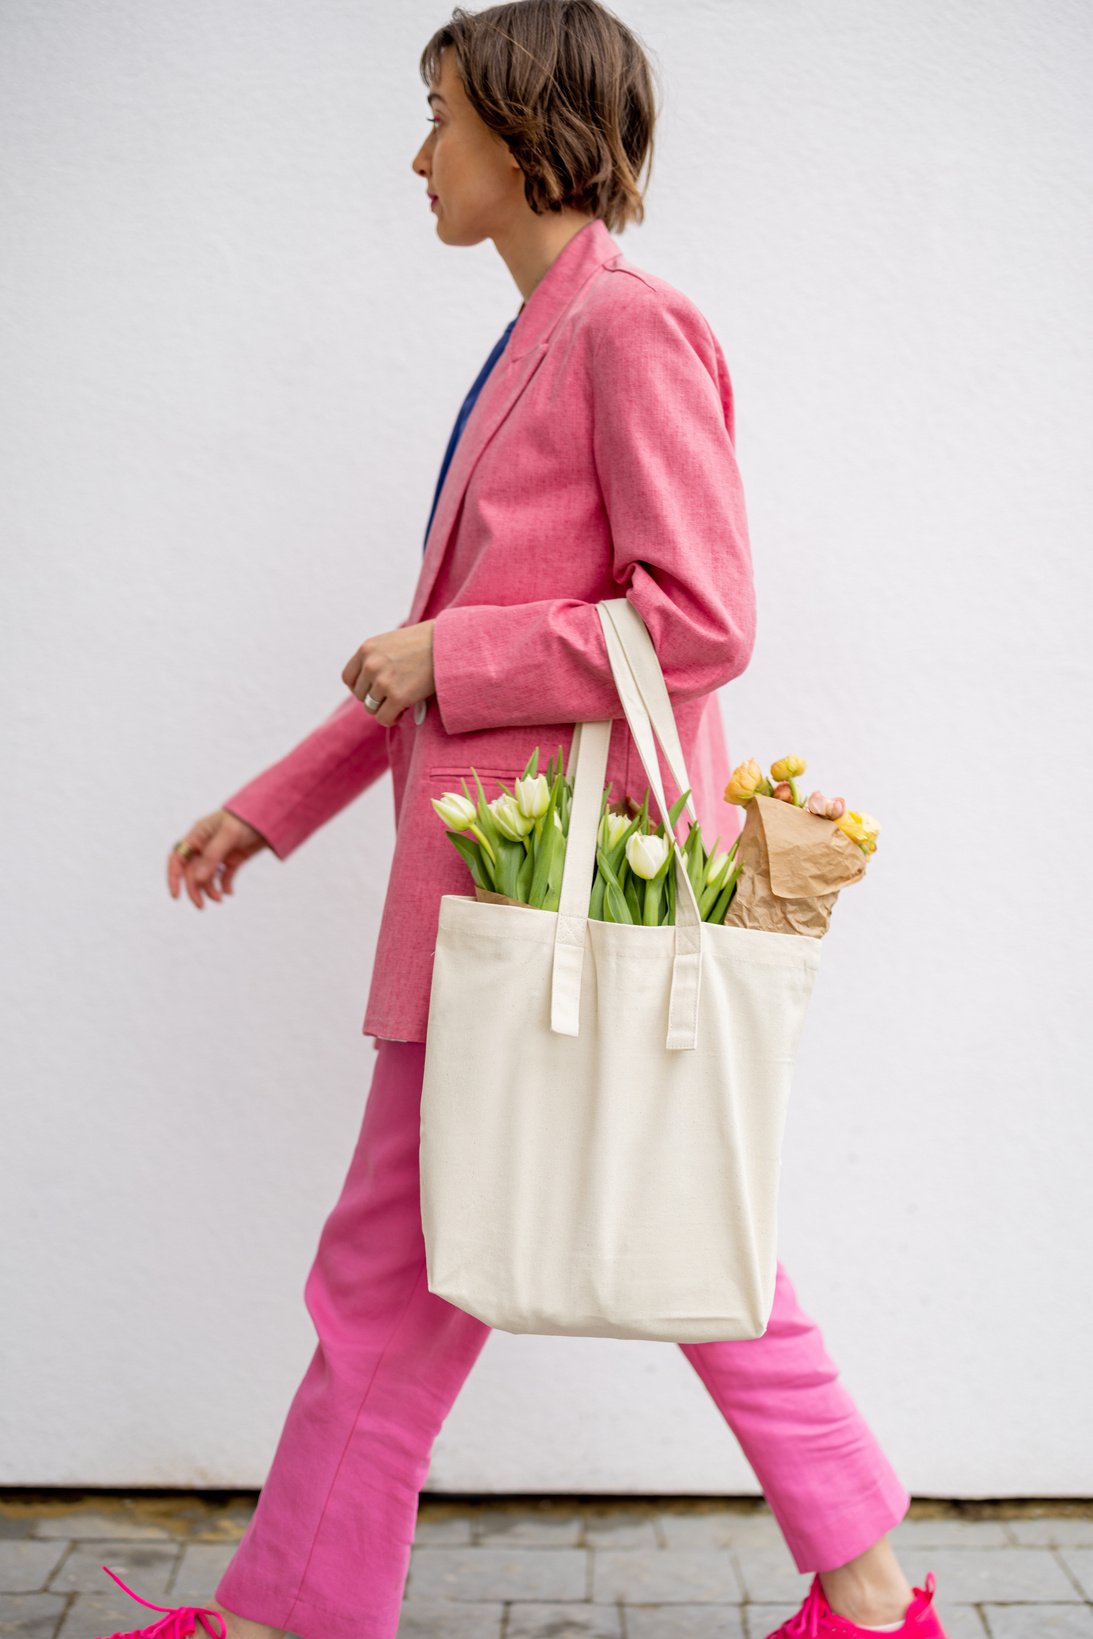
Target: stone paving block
1039,1621
526,1528
948,1533
17,1525
146,1567
761,1619
1079,1562
528,1621
772,1577
26,1566
668,1576
226,1525
92,1614
1045,1532
454,1532
85,1524
604,1528
425,1619
30,1615
722,1529
980,1576
200,1569
684,1622
497,1573
962,1622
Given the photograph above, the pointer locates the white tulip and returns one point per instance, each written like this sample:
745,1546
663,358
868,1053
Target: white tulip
532,795
645,854
613,827
510,821
717,870
454,809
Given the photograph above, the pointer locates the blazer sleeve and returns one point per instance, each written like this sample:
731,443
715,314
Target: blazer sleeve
316,779
664,455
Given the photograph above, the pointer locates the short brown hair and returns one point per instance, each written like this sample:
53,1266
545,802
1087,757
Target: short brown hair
570,89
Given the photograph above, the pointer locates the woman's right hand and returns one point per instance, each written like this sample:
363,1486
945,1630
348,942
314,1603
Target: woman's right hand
218,845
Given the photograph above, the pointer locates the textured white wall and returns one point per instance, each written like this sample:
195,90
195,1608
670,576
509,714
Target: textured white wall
232,352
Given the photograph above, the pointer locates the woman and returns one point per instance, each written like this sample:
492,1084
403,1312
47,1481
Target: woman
594,457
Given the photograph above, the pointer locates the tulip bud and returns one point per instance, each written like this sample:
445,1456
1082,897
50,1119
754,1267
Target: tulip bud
645,854
510,821
532,795
783,791
860,828
612,829
455,810
717,870
746,779
787,768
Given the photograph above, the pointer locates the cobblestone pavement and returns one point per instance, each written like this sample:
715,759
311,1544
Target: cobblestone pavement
502,1568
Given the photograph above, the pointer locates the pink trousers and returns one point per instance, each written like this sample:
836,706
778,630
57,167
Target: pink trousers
327,1551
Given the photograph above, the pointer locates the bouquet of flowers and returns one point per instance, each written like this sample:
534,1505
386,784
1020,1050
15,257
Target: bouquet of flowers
783,872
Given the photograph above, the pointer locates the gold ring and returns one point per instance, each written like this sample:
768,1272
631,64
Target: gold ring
183,849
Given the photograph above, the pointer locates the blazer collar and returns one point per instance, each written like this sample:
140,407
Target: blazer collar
591,248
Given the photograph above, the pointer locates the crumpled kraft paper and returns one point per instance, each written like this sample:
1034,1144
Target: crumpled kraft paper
792,866
492,898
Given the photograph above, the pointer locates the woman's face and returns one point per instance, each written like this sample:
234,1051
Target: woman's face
477,184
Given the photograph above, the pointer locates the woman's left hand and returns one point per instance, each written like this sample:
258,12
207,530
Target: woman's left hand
395,668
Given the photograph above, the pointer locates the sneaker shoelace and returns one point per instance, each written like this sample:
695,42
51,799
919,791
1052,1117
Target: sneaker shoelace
806,1623
811,1621
174,1624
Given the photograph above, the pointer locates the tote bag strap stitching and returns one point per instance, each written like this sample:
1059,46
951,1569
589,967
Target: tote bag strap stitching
628,648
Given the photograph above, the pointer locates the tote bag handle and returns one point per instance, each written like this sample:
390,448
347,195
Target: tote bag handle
645,701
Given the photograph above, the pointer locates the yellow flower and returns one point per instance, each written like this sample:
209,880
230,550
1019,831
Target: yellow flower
861,828
746,779
787,768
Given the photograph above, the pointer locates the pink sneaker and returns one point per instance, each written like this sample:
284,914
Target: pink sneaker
816,1619
179,1622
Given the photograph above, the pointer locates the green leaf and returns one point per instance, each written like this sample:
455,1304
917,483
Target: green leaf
723,898
614,898
540,879
677,807
470,853
632,889
523,876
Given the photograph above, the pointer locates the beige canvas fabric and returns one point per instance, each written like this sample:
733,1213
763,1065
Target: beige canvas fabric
603,1105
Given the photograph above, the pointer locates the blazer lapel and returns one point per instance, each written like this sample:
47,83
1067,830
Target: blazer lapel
582,256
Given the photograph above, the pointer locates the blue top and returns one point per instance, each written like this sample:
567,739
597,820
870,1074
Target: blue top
461,418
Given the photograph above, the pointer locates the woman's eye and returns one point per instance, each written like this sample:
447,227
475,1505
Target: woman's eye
432,120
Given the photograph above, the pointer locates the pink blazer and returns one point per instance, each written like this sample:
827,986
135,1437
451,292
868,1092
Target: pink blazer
598,462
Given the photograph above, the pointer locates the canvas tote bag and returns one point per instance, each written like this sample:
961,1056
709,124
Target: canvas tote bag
603,1105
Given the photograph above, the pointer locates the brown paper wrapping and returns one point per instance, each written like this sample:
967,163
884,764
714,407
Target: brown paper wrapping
792,865
497,898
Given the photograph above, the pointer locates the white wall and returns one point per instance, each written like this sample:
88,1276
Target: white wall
232,352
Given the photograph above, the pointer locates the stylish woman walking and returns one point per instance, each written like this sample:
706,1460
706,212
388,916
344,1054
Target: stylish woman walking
593,458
